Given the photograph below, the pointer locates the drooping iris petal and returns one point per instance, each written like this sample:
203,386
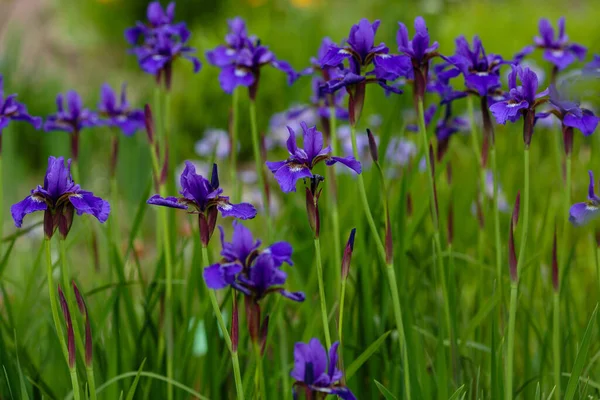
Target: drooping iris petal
582,213
28,205
86,203
172,202
219,276
241,211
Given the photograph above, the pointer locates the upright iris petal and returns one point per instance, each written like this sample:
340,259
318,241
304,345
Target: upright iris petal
301,161
582,213
119,114
316,369
59,198
71,117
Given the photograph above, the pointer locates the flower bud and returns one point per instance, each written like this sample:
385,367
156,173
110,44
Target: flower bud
356,102
252,318
65,219
567,139
88,329
214,178
347,257
528,123
373,146
70,333
264,332
149,122
49,223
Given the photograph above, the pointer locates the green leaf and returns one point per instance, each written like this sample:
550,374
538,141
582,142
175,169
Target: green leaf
24,394
458,392
580,358
4,261
384,391
360,360
131,391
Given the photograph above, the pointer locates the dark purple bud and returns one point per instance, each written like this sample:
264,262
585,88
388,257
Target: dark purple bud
568,139
373,146
356,101
88,329
442,148
419,84
516,209
168,75
49,225
488,126
75,145
70,333
264,331
409,204
312,211
149,122
65,219
214,178
389,244
203,228
235,324
212,214
253,89
252,318
528,123
347,257
555,282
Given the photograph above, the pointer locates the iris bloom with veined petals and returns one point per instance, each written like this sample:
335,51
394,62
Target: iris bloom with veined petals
571,114
159,20
481,70
11,109
248,269
582,213
521,98
59,198
418,49
119,115
301,161
240,65
361,52
557,50
198,196
160,56
72,119
315,370
439,82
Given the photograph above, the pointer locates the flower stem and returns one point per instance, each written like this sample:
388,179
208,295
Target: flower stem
525,205
497,220
259,378
389,269
168,292
341,315
332,195
234,355
436,227
237,189
514,287
556,343
53,300
75,383
259,162
322,292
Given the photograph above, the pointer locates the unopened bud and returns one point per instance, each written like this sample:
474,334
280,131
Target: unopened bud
347,257
149,122
70,333
65,219
88,329
214,178
252,318
373,146
567,139
264,332
49,225
516,209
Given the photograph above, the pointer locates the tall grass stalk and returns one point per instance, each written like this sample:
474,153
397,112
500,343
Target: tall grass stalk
322,299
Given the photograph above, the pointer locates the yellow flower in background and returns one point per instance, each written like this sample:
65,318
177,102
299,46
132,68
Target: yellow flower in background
303,3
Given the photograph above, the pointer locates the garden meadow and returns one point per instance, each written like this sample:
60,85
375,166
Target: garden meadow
447,248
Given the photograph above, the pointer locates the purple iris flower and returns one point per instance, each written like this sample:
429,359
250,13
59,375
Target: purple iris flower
323,101
481,70
12,110
361,52
71,119
571,114
200,196
59,198
119,115
439,82
581,213
315,370
420,51
593,67
557,49
242,58
248,269
301,161
159,42
522,99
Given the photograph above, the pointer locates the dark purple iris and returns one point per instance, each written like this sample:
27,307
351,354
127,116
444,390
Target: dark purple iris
315,371
301,161
250,270
557,48
481,70
59,198
119,114
571,113
241,59
593,67
12,110
582,213
439,82
159,42
362,54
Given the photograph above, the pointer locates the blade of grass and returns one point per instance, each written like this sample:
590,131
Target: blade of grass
580,358
361,359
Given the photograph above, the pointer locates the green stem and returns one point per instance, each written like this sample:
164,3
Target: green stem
66,275
234,356
168,327
259,377
335,215
75,383
341,315
322,292
525,208
497,221
54,301
237,189
259,163
556,343
389,268
91,381
514,287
